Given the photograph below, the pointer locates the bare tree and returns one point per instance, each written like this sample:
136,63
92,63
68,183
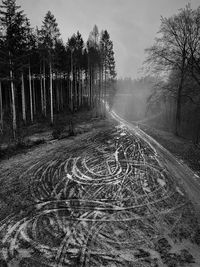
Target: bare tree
171,51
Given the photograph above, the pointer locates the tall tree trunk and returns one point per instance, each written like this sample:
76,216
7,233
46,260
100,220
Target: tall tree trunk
196,126
87,88
1,109
75,89
51,90
105,85
23,100
81,88
41,90
41,94
90,88
178,107
13,99
57,93
30,92
44,87
13,104
101,89
71,94
71,87
105,91
61,93
34,97
99,92
88,82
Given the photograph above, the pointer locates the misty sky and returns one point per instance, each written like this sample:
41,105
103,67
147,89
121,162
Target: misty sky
132,24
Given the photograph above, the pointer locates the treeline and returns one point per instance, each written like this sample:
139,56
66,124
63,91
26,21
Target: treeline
40,75
131,97
175,58
128,85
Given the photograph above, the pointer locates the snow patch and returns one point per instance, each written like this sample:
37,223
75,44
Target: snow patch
147,189
69,176
161,182
118,232
127,256
179,191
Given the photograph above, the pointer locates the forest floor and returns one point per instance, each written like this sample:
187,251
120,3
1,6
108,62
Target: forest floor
100,198
34,134
181,148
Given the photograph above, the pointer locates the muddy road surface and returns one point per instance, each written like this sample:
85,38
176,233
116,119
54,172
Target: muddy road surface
105,199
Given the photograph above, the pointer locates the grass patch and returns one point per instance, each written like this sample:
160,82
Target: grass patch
18,147
180,147
65,125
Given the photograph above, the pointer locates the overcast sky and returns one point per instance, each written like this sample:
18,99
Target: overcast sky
132,24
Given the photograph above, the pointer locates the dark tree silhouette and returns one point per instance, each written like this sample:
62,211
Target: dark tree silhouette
46,76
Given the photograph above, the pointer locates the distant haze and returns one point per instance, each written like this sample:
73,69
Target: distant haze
132,24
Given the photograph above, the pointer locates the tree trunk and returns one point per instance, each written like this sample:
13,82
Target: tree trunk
51,91
57,94
31,95
13,104
98,92
105,86
41,94
1,109
105,92
44,87
81,89
61,93
101,89
178,107
41,90
75,89
13,99
90,90
71,93
23,100
34,98
71,87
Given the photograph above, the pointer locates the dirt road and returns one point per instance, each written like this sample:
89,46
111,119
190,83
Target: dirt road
106,199
184,176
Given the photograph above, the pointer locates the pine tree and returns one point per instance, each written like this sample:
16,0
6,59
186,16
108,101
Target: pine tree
49,35
13,41
75,46
78,64
93,63
107,63
94,37
28,56
60,67
70,51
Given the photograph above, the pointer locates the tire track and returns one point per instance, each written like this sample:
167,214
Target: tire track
94,204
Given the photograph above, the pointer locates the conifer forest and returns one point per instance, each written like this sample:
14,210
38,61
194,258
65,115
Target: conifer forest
40,75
